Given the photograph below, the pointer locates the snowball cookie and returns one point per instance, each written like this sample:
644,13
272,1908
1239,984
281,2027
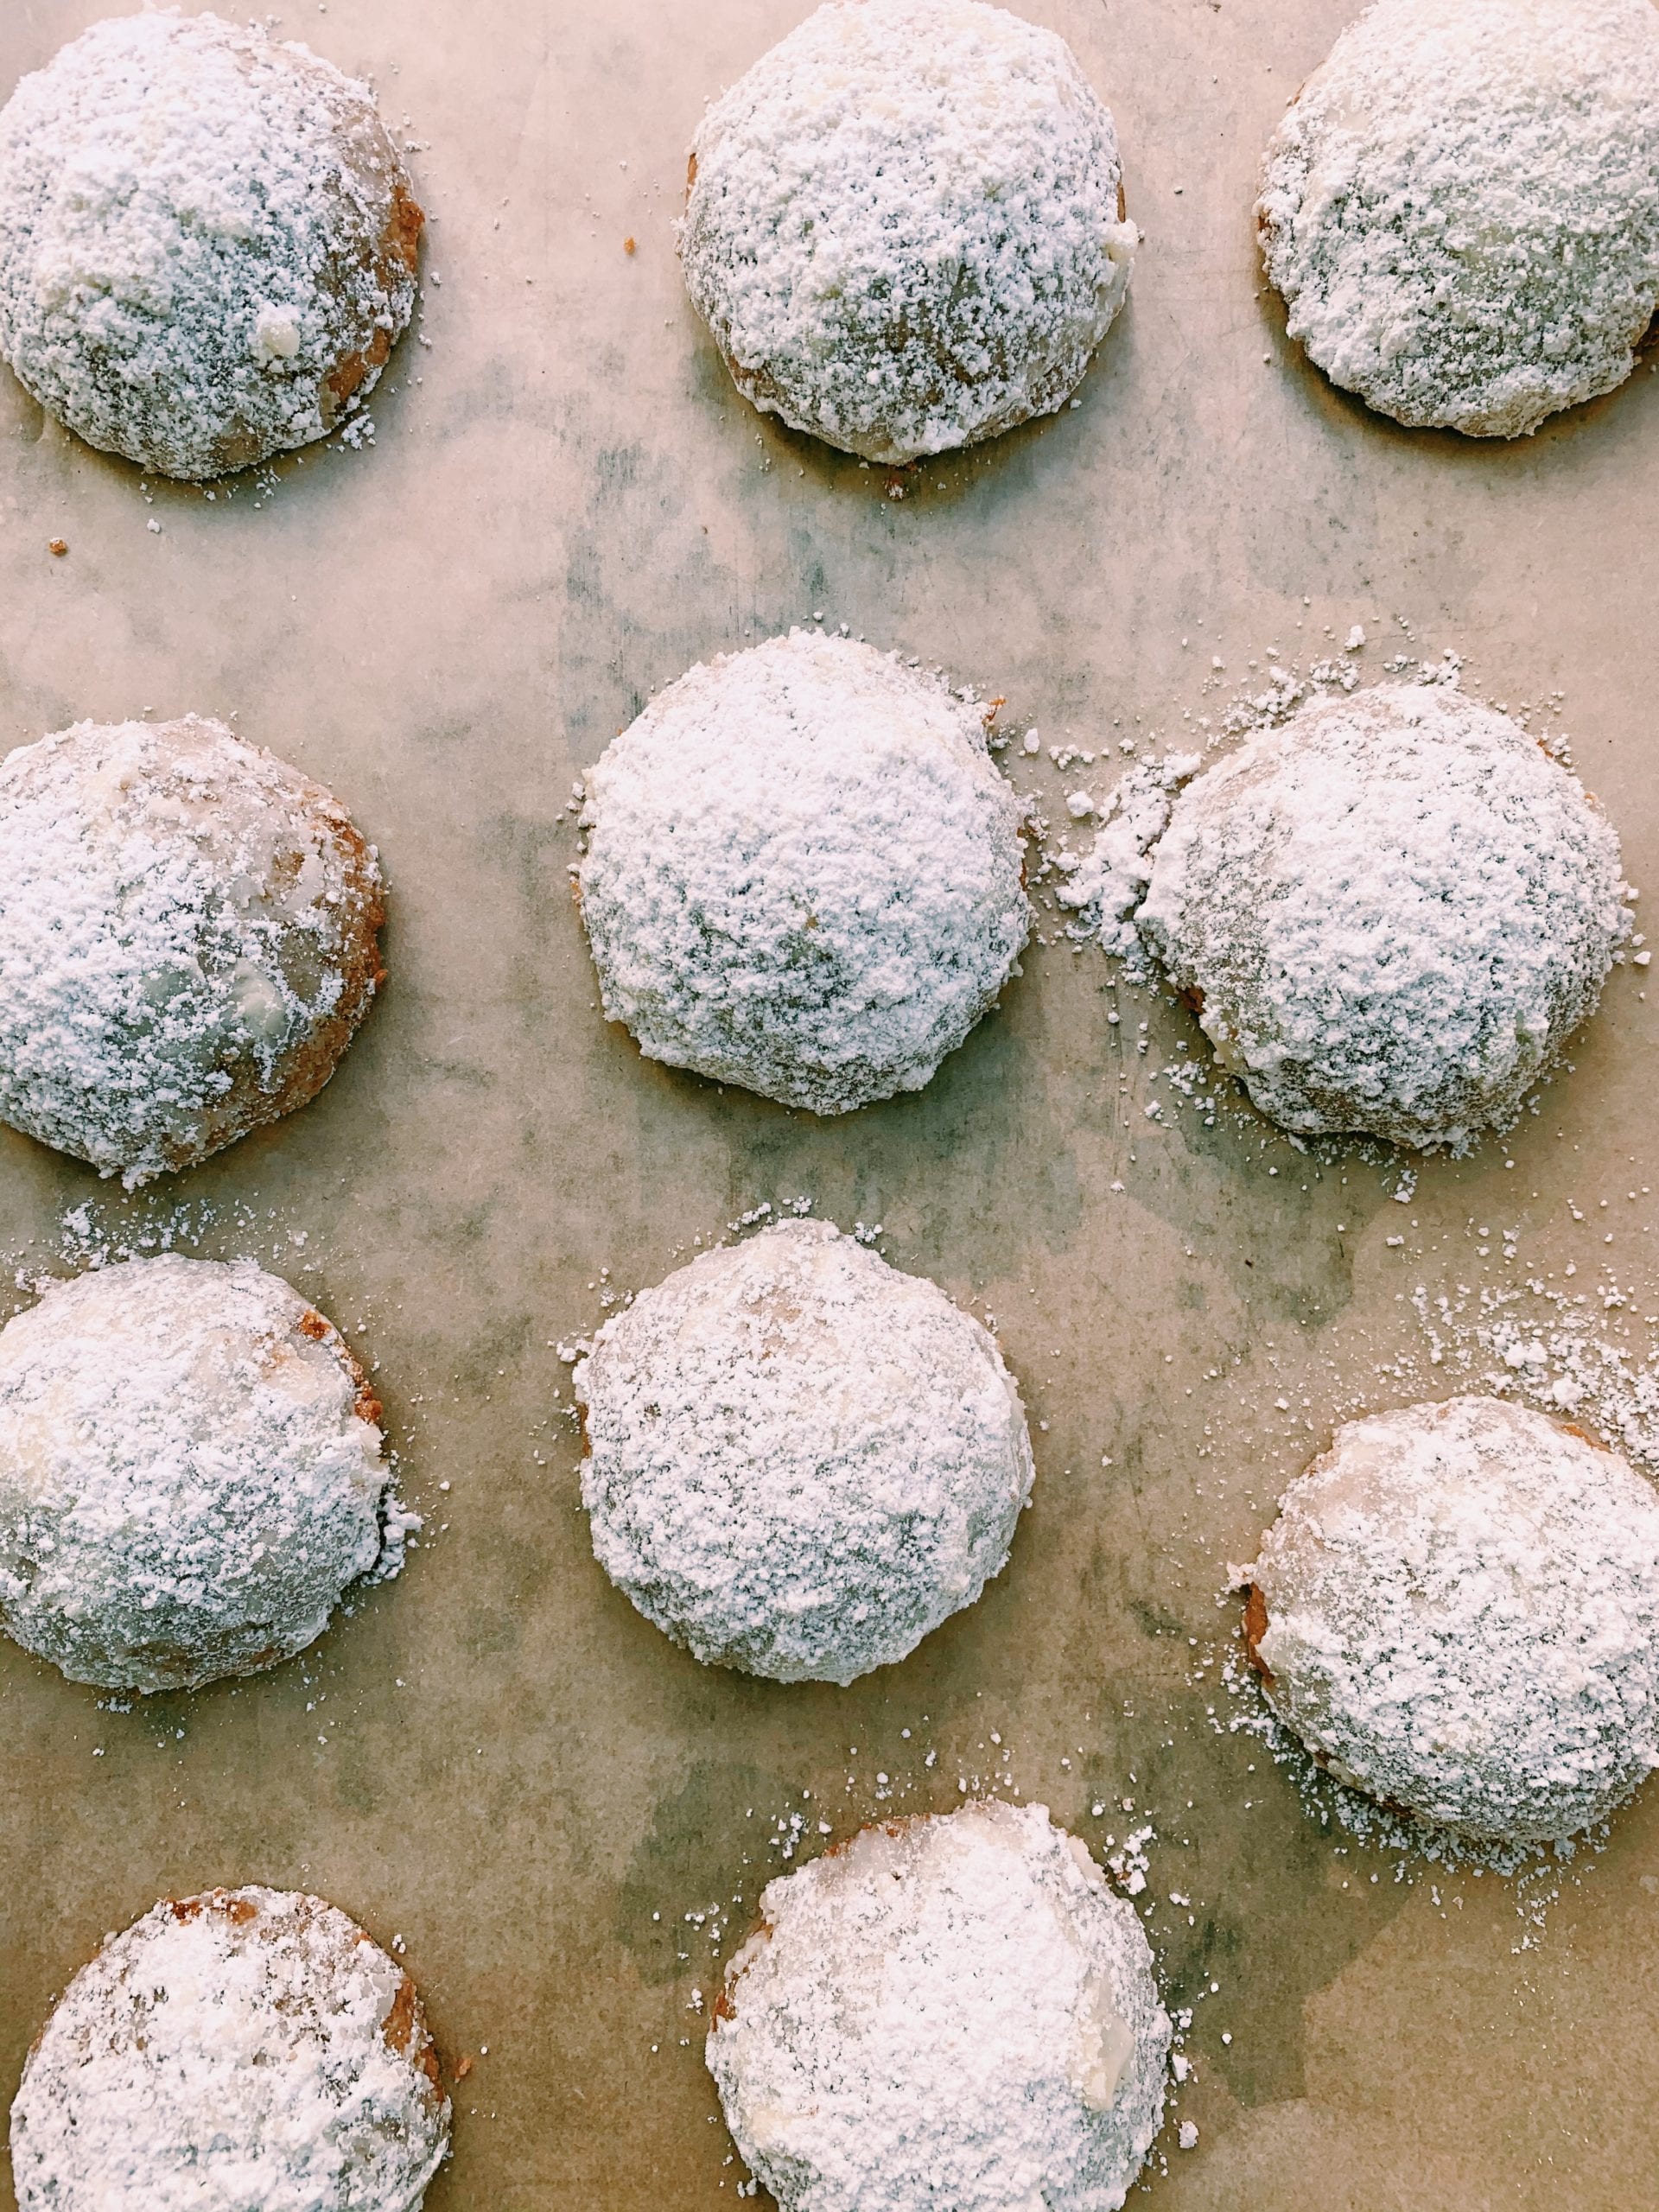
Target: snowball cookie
1458,1611
1461,208
208,242
798,1460
245,2047
804,873
904,226
190,1474
188,940
951,2011
1392,913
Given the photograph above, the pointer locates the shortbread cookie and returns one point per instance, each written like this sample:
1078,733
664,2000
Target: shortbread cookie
1392,913
190,1473
1461,207
905,226
804,873
189,941
243,2048
951,2011
208,242
1458,1611
799,1460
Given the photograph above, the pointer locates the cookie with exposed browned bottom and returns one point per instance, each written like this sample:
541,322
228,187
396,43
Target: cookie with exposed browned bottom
243,2048
208,242
190,1474
189,941
1458,1613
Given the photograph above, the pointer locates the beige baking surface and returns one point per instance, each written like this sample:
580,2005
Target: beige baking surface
495,1757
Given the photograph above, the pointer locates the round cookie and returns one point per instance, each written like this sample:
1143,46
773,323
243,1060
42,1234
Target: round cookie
1458,1613
798,1460
906,226
190,1474
949,2010
1461,207
208,242
804,873
188,940
1392,913
246,2046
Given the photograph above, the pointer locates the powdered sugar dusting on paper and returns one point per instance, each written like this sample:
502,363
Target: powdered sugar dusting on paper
1017,2051
1461,207
904,226
249,2047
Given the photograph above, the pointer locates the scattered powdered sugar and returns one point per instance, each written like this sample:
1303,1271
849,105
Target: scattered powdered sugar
904,225
208,242
190,1474
1109,882
1392,913
1461,207
800,1461
188,940
1457,1611
803,873
244,2048
950,2009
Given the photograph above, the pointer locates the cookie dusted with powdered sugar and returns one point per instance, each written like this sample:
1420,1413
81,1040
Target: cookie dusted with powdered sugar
800,1461
189,941
951,2011
1461,207
243,2048
905,226
190,1474
804,873
208,242
1392,913
1458,1611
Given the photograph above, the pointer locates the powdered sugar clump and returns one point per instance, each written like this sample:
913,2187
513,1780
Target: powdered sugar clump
190,1474
1393,911
1461,208
952,2011
904,225
802,873
800,1460
208,242
1457,1611
244,2048
1109,882
188,940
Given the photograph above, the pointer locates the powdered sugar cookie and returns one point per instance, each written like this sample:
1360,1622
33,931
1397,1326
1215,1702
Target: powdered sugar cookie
246,2046
905,226
208,242
1393,912
798,1460
190,1474
1461,207
804,873
1458,1611
951,2011
188,940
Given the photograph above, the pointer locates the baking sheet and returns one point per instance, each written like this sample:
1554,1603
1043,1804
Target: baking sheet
494,1759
